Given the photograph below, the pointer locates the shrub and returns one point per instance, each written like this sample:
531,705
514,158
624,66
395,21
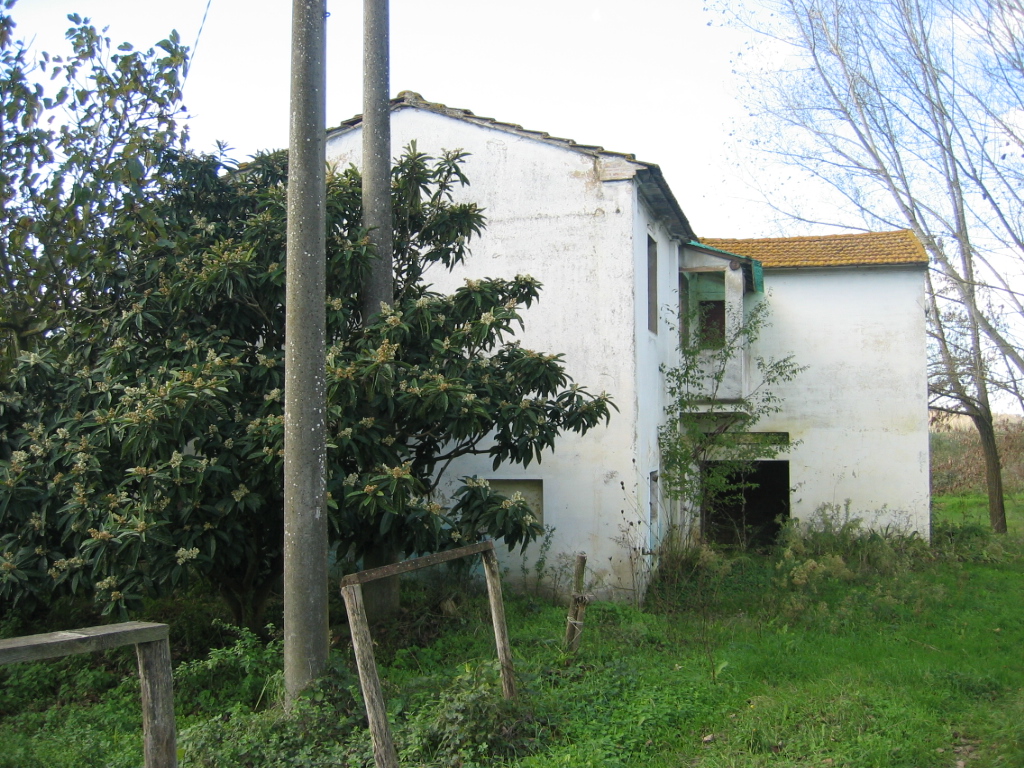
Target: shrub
247,673
470,723
834,531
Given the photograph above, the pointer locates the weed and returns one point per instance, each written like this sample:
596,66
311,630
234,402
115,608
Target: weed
883,653
635,537
469,723
323,728
247,673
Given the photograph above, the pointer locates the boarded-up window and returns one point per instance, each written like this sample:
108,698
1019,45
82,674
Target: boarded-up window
532,490
652,284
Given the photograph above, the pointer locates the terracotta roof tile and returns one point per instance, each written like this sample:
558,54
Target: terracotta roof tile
864,249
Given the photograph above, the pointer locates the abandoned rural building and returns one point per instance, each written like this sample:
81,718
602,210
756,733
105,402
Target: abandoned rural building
605,236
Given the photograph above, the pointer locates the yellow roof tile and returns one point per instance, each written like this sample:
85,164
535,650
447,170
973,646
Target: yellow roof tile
864,249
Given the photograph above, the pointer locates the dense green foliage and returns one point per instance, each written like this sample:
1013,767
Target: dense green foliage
141,437
843,647
82,151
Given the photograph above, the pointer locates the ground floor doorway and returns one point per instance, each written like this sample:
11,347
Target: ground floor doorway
752,505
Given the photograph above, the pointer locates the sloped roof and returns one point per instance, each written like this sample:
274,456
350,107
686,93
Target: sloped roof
653,187
413,99
854,250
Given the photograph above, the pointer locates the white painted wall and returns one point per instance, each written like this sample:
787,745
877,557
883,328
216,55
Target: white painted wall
860,409
654,351
550,215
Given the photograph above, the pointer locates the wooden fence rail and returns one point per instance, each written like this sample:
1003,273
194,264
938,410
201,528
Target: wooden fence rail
384,754
153,651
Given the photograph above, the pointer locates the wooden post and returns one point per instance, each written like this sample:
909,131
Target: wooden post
383,746
154,654
577,606
384,754
158,736
508,683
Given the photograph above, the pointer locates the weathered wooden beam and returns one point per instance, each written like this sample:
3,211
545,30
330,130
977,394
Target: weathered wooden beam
508,682
52,645
384,754
153,650
416,563
159,739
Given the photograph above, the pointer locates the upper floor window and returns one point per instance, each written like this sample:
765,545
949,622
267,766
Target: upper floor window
702,306
652,284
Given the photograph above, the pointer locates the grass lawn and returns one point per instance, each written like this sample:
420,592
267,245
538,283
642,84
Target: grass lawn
876,653
972,508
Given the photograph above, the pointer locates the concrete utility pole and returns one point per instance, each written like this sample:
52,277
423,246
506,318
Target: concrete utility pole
381,596
306,640
379,285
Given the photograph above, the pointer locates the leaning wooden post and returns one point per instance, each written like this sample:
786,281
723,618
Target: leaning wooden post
508,684
158,736
577,606
384,754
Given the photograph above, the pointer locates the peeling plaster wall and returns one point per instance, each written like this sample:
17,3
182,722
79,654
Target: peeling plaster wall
654,350
734,381
860,409
550,215
576,223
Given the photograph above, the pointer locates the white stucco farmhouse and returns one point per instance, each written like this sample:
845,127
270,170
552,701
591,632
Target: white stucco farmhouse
605,236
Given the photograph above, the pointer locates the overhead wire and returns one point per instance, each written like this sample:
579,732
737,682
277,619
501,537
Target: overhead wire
195,45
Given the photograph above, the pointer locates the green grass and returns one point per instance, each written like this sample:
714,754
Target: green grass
882,653
972,509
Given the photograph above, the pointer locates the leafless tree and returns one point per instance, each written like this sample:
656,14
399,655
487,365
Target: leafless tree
912,111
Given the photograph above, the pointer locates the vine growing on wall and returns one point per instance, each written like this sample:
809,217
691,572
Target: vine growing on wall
710,442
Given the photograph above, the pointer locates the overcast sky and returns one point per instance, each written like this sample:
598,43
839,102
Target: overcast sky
651,77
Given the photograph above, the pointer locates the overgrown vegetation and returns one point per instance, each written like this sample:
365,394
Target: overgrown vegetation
958,465
842,647
141,415
709,443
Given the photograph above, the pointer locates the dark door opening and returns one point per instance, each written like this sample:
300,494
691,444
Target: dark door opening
751,506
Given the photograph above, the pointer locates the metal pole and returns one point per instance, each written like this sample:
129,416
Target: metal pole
377,216
305,514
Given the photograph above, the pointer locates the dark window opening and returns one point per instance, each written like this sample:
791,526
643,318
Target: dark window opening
712,324
748,502
702,308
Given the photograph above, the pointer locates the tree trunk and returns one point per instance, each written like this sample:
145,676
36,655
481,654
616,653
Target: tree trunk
381,597
993,471
248,603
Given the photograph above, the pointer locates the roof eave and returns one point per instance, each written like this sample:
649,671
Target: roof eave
656,193
858,265
654,189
